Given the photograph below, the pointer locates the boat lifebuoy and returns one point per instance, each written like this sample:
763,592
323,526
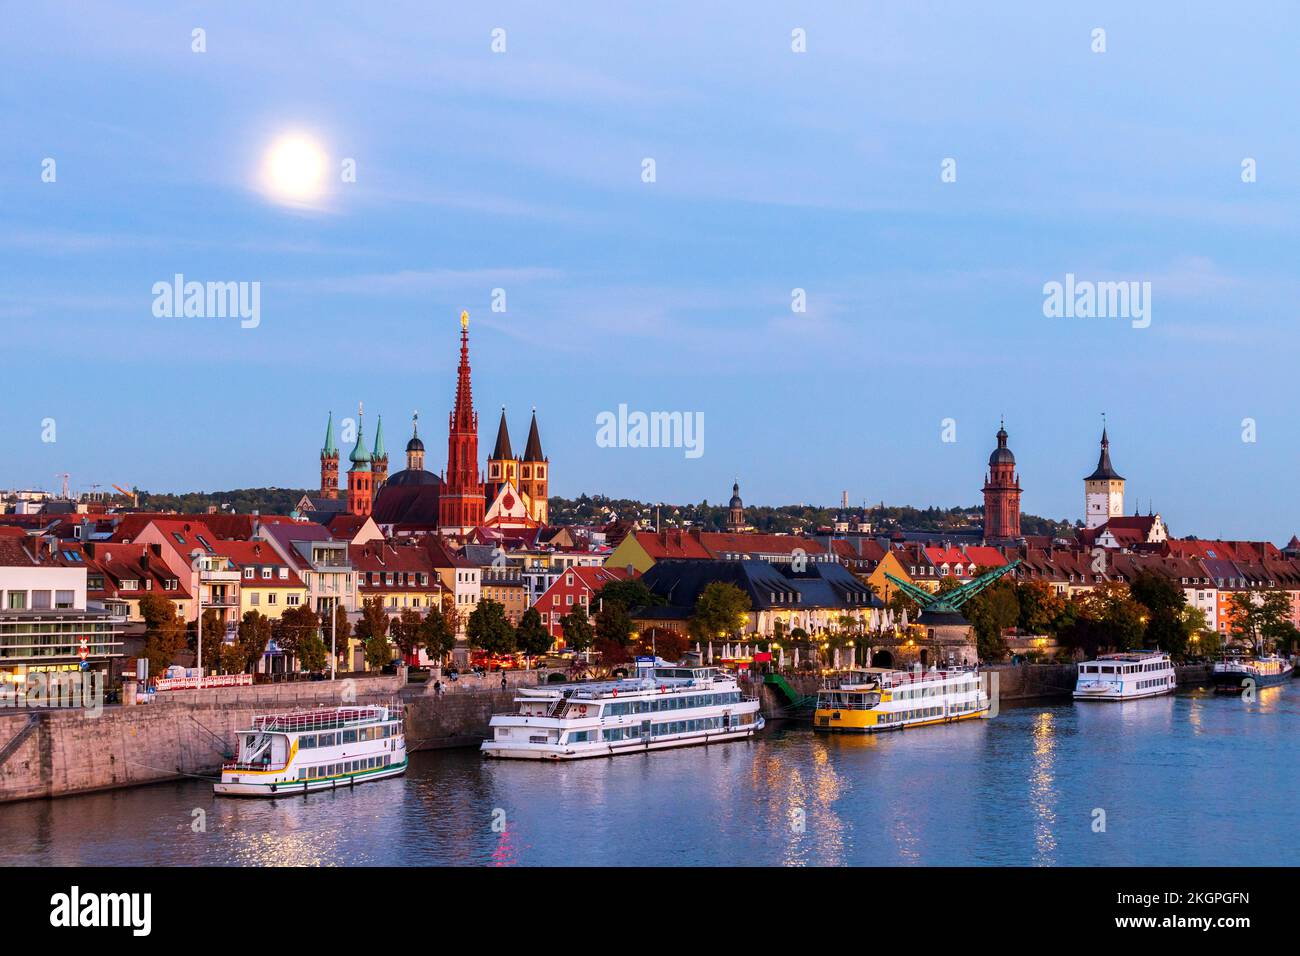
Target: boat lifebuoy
582,710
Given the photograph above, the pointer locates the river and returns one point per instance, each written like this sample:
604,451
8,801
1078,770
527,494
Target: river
1179,780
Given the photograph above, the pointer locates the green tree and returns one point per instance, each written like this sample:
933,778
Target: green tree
1040,606
251,639
341,636
1163,601
630,593
406,631
531,635
292,628
991,612
164,632
577,630
312,653
372,631
437,635
214,637
720,610
614,624
489,629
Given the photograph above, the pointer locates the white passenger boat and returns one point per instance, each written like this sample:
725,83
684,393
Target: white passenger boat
661,707
1128,676
316,750
877,699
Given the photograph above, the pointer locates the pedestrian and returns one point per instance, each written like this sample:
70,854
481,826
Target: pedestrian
437,688
503,680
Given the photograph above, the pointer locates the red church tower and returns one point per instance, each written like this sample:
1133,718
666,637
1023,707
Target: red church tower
461,506
329,463
1002,493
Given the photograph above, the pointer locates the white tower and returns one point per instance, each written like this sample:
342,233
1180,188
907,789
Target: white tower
1103,490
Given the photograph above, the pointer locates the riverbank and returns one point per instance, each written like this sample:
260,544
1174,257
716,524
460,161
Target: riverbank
53,753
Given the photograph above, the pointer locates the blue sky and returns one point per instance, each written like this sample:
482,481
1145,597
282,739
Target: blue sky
775,171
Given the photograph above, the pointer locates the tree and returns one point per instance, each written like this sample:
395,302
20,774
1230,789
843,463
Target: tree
1262,618
614,624
341,636
312,653
164,632
1163,601
1040,606
577,630
372,630
437,636
721,609
214,636
668,644
406,631
251,639
292,628
532,637
1105,617
630,593
488,628
991,612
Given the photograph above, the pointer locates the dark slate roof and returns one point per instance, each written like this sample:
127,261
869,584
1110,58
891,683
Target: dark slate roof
408,502
823,584
533,451
502,450
1002,454
408,477
1104,469
328,505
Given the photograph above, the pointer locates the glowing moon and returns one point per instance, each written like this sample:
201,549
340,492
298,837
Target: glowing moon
294,170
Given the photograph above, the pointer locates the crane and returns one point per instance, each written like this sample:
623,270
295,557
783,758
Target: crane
65,476
135,498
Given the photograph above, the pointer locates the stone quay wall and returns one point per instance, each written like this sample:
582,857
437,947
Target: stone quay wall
52,752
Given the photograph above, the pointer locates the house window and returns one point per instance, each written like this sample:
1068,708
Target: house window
266,574
248,573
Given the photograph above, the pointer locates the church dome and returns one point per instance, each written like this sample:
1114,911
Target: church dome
735,497
415,444
1002,454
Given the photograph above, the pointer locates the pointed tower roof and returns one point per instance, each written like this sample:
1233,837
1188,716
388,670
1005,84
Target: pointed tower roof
380,451
1104,469
533,451
330,448
359,458
1002,454
502,450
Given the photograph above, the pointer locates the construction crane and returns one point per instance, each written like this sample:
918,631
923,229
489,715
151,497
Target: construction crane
135,498
65,476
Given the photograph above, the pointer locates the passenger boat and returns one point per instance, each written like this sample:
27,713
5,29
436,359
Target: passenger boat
1232,675
316,750
661,707
878,699
1127,676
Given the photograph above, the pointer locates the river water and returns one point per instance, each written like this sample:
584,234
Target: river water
1179,780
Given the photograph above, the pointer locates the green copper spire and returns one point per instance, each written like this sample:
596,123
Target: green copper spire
379,451
360,460
330,448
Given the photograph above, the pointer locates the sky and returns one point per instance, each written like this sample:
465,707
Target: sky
774,170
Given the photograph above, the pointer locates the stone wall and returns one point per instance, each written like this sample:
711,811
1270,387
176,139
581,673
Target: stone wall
191,732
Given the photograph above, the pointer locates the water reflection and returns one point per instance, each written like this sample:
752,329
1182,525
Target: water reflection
1042,790
1188,779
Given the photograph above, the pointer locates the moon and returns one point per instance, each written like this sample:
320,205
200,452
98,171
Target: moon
293,170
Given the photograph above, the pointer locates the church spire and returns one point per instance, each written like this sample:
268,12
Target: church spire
330,448
502,450
533,450
461,505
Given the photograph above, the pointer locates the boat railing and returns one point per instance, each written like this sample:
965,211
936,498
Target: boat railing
254,765
332,719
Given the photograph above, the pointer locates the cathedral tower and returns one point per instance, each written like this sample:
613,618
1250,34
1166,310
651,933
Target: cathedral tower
329,463
1103,490
533,477
1001,493
461,506
502,465
361,486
